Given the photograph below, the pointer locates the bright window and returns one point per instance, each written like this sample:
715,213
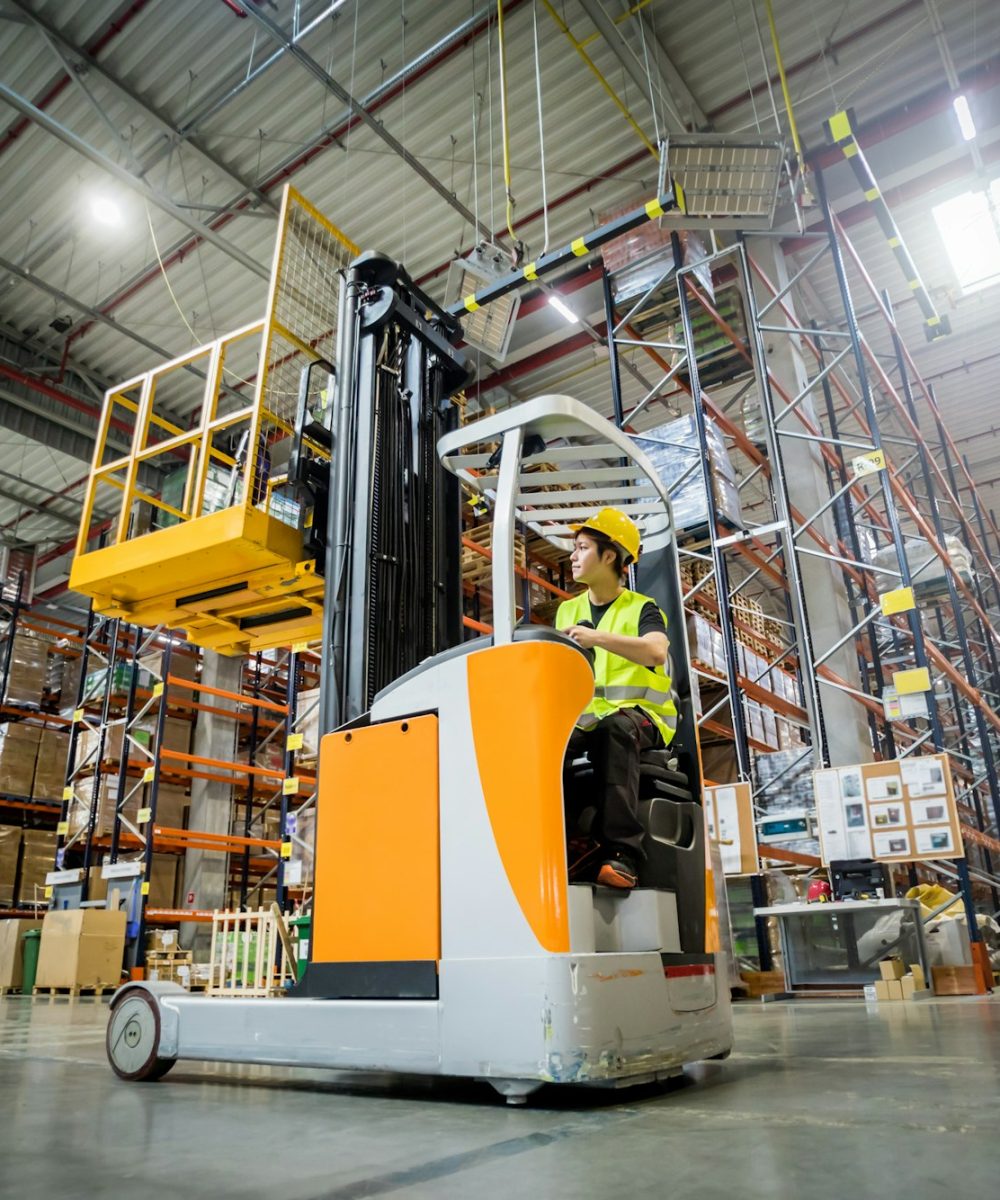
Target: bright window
970,234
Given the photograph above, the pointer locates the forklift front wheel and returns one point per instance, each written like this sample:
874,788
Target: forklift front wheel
133,1039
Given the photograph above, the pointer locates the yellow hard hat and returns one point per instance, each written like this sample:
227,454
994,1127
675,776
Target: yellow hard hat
619,529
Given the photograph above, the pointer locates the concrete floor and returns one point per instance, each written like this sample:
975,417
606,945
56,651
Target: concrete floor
820,1099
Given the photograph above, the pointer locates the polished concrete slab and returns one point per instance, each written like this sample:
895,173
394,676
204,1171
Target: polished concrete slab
820,1099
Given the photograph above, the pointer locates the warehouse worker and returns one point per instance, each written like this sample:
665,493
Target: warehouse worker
632,709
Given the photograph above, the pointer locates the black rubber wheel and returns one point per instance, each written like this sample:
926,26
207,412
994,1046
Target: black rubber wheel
133,1039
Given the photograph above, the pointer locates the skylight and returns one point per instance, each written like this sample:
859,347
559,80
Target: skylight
971,236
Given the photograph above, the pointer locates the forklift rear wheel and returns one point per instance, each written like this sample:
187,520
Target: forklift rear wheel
133,1039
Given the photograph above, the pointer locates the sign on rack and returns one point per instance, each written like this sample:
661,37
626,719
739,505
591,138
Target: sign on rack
729,814
902,810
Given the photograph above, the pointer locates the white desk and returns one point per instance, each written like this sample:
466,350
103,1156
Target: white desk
839,945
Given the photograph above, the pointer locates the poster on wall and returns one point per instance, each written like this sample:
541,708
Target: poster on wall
896,811
729,815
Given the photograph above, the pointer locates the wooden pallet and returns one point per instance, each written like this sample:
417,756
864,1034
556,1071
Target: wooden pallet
75,991
477,568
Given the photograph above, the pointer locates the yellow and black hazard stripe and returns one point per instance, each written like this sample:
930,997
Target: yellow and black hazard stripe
840,131
578,248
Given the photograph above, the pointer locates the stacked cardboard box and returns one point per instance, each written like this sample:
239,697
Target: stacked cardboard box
18,754
10,858
898,984
81,947
38,857
29,661
50,769
170,802
674,448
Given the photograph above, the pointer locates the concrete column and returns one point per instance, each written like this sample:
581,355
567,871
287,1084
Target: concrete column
206,874
826,599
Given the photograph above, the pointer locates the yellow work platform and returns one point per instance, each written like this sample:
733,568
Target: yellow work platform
231,580
206,535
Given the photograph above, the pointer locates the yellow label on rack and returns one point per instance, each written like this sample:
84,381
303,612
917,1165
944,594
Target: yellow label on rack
67,793
157,690
286,849
143,816
48,892
294,742
62,828
868,464
299,647
149,775
77,715
900,600
290,786
145,887
307,522
916,680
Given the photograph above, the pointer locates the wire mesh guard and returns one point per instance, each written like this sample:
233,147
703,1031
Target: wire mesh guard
573,463
208,437
724,177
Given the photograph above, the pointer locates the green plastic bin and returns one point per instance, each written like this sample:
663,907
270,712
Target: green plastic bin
32,940
303,928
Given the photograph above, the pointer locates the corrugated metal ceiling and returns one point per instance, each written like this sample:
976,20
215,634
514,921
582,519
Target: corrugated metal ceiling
181,59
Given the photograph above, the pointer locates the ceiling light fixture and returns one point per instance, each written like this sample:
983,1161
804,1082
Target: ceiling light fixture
563,309
105,211
965,121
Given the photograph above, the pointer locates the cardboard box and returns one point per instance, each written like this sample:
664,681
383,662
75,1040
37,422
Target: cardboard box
18,753
912,990
955,981
12,950
163,881
10,857
162,941
891,968
917,971
895,988
38,858
81,947
882,989
50,768
29,660
763,983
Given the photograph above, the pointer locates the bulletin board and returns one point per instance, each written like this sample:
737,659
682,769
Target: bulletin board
729,815
898,811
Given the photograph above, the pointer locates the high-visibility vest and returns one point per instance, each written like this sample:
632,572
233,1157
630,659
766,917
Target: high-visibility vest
619,683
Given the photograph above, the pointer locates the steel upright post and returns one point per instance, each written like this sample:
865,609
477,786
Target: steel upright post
969,662
154,789
718,558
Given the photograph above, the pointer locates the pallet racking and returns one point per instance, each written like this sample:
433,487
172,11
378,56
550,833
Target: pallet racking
884,482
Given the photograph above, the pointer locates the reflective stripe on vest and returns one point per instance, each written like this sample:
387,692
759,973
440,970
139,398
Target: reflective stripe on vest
618,682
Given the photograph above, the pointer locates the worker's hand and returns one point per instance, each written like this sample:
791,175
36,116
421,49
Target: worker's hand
583,635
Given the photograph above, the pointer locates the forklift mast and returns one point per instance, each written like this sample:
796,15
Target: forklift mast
393,579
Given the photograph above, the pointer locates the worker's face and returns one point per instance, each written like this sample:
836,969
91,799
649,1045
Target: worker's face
587,562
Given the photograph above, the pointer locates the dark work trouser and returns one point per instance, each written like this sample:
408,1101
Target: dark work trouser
613,746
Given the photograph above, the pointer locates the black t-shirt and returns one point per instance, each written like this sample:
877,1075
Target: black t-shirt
650,619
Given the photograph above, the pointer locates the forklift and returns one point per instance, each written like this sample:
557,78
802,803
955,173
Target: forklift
447,938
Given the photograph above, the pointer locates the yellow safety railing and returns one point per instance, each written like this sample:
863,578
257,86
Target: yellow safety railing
205,434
